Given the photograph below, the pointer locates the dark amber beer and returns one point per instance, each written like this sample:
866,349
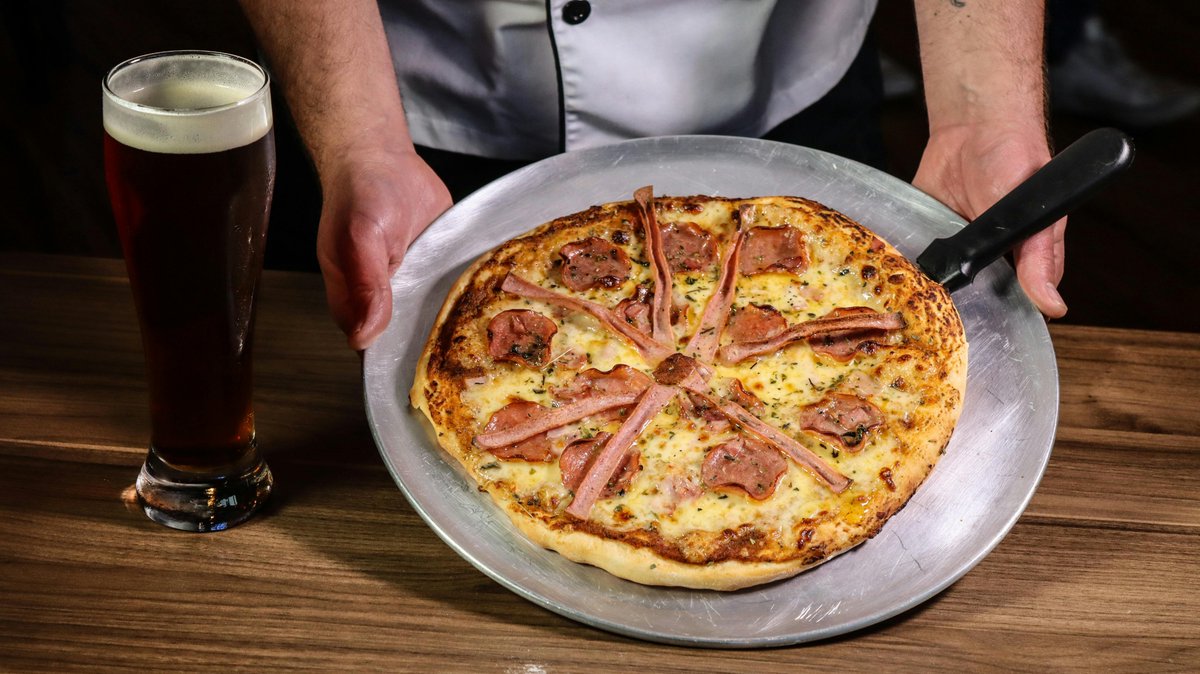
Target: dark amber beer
190,165
193,228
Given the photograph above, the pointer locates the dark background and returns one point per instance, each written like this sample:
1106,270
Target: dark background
1132,252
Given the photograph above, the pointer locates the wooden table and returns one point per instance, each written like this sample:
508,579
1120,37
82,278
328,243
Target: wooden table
340,574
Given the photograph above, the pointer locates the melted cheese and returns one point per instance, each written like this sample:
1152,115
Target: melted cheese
668,493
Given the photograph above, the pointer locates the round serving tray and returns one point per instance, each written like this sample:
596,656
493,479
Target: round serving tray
973,497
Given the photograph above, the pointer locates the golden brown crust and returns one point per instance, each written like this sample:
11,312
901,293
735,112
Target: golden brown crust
660,531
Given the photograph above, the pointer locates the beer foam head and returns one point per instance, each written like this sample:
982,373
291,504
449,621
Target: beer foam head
187,102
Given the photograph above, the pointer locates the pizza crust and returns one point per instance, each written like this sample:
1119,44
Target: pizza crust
641,565
725,557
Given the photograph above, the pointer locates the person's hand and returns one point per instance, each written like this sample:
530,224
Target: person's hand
969,168
375,205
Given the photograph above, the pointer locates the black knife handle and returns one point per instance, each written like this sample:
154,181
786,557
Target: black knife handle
1072,177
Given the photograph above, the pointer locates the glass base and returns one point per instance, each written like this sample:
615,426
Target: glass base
203,502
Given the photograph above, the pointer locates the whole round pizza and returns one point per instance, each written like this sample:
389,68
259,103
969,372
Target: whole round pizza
696,391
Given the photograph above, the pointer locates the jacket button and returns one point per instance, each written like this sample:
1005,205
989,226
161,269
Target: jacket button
576,11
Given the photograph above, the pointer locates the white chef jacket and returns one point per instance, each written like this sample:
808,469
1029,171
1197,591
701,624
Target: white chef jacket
513,79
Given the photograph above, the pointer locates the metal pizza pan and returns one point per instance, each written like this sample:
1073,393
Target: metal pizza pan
973,497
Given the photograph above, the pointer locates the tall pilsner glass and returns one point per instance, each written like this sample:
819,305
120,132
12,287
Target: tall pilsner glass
189,157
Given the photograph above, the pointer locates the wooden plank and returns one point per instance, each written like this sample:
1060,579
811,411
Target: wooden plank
1133,481
1127,454
82,362
341,573
32,264
1129,380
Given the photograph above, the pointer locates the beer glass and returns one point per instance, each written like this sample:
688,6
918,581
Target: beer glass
189,158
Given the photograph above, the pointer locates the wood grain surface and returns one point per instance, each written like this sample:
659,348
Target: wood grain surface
1100,574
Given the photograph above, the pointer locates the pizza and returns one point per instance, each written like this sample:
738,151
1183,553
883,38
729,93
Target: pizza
695,391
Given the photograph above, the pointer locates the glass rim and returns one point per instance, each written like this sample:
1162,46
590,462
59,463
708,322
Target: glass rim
153,109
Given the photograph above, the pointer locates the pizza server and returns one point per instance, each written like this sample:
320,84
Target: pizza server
1004,437
1068,180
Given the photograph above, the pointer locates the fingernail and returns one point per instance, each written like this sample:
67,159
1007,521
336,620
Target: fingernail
1057,306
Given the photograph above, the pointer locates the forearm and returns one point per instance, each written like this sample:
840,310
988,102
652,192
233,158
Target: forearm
333,63
985,91
982,62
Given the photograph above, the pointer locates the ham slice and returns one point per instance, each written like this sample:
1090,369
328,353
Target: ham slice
660,315
774,249
745,464
636,310
781,441
581,455
620,380
650,349
843,346
534,448
704,341
593,263
687,247
842,418
548,418
710,418
520,336
737,352
679,370
744,398
613,455
674,491
755,323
